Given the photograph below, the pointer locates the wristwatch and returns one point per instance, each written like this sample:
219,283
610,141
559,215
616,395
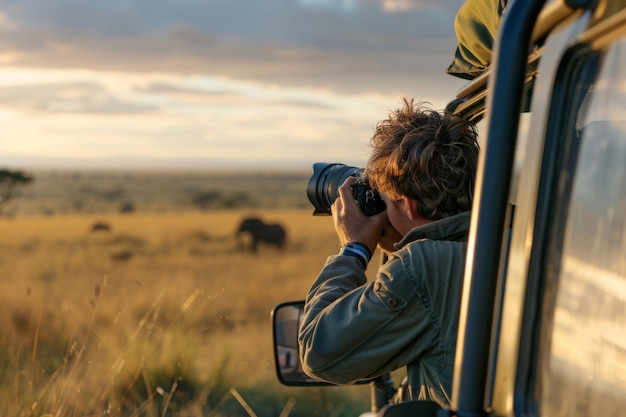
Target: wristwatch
357,250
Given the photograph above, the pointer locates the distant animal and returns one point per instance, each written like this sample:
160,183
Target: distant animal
270,234
101,227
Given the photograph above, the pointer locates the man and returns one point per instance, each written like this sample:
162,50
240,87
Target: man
423,164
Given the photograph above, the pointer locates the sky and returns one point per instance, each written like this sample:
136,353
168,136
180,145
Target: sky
213,84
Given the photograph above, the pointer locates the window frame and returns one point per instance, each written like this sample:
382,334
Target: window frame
553,202
580,67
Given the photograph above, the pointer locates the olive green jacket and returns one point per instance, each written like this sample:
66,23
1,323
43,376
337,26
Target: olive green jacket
352,329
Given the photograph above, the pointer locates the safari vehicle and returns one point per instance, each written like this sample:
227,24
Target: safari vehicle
543,316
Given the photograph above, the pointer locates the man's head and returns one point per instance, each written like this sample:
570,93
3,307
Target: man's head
427,156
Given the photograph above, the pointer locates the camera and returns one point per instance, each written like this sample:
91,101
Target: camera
323,188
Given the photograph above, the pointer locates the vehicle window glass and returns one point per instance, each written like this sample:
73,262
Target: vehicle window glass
585,374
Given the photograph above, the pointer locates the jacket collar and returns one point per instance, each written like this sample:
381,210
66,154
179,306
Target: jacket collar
451,228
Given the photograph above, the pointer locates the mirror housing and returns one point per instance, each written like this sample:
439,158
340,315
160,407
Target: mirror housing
286,318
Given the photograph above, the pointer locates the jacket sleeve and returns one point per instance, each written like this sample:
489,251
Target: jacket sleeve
353,330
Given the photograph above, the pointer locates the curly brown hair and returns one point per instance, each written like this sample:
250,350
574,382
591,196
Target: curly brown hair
426,155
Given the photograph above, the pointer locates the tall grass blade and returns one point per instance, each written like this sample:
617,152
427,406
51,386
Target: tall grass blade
243,403
288,407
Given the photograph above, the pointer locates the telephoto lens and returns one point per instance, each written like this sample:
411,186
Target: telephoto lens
323,189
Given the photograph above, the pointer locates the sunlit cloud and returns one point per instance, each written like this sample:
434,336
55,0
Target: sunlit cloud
119,118
335,4
198,84
395,6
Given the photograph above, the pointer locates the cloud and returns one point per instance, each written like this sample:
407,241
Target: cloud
78,97
214,83
279,41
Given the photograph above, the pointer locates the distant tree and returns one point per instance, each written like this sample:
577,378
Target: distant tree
207,199
78,204
10,184
48,211
127,207
237,200
113,194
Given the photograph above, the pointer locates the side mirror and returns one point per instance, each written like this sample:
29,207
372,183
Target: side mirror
286,318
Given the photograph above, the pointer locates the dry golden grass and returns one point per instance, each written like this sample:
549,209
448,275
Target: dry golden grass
164,314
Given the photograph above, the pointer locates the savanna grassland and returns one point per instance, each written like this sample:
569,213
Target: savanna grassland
166,313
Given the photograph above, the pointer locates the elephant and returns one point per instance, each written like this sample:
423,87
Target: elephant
101,227
271,234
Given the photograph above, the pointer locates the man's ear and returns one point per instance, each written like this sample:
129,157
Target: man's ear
410,208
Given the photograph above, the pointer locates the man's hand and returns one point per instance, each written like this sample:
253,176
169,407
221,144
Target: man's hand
351,224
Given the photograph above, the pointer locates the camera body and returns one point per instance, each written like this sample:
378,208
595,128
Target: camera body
323,188
368,199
